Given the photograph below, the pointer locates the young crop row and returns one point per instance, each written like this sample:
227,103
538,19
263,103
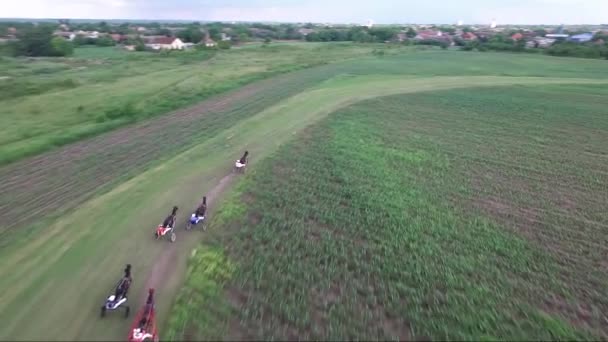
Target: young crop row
369,226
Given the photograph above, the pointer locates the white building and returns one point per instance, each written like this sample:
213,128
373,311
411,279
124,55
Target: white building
165,43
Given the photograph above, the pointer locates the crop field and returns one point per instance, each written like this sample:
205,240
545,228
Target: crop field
462,167
461,214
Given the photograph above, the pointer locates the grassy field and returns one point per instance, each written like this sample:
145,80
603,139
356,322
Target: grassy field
461,214
86,209
48,102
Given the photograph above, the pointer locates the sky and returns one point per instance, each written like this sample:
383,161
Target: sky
330,11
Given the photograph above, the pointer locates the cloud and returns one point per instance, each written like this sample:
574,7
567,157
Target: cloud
381,11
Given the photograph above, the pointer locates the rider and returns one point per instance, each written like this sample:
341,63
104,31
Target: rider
170,220
202,208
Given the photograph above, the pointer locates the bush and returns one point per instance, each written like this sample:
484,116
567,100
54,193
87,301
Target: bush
61,47
126,111
224,45
577,50
105,41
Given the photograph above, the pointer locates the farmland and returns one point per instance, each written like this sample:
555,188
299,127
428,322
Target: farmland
428,213
418,216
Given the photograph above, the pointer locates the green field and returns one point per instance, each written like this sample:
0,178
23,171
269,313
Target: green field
48,102
418,216
420,194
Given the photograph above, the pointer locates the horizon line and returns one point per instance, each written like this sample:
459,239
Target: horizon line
285,22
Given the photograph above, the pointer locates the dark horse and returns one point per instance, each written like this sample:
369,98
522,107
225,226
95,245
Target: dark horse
147,310
123,286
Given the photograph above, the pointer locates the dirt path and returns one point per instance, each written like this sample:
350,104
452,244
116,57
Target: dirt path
164,265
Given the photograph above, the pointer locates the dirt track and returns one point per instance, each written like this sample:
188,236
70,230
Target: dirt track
167,259
63,178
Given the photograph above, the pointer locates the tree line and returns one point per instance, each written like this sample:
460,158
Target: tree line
596,48
39,41
357,34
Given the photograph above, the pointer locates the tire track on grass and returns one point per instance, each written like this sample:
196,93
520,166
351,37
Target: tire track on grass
163,265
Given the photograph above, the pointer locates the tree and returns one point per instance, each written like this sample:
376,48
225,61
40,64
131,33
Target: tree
196,36
362,36
164,32
61,47
447,29
215,33
382,34
600,36
267,41
105,41
243,37
35,41
225,45
140,46
313,37
103,27
79,40
411,33
191,35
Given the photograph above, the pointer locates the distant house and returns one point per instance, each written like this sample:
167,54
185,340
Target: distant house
209,42
581,38
433,35
12,30
118,37
428,34
517,36
225,37
544,42
164,43
88,34
468,36
65,35
305,31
